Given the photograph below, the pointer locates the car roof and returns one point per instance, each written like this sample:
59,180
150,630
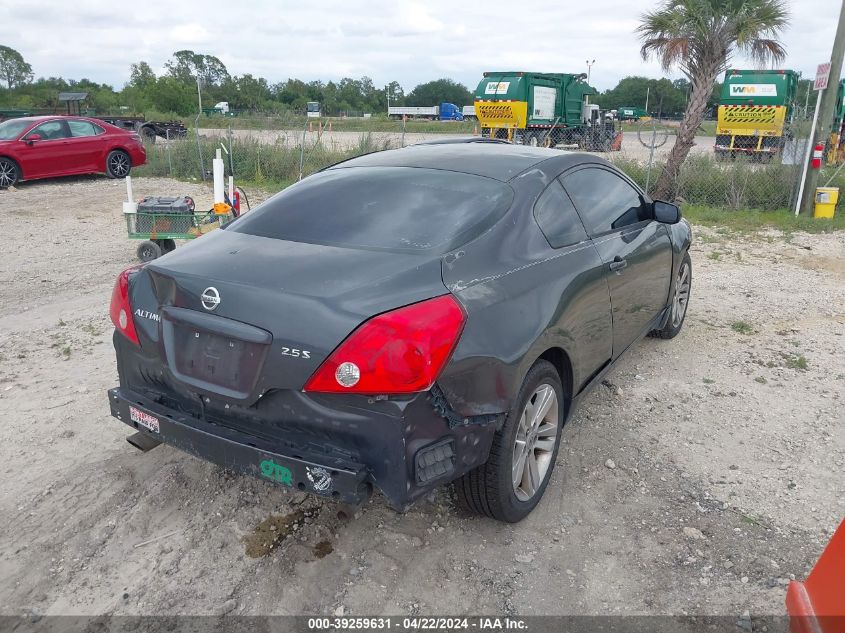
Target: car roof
48,117
500,161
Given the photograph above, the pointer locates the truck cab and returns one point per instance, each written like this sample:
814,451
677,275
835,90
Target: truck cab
755,109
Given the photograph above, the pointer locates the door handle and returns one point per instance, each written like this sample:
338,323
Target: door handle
618,264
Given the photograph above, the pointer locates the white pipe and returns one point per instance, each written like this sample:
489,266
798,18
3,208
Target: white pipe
129,196
232,189
217,168
810,140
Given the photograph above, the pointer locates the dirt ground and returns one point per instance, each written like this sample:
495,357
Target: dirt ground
704,474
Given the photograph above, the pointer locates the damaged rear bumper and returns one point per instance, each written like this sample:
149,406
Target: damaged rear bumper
404,453
236,451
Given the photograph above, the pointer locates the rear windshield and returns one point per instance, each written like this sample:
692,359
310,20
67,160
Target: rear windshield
385,208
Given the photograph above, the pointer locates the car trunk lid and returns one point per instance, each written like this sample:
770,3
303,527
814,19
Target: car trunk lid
245,314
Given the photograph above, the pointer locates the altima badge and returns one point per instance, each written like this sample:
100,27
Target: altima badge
210,298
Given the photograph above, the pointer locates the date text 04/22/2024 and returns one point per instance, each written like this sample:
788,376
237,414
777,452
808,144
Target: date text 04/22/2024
419,623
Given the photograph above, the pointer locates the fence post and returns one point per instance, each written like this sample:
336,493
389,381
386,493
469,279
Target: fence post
167,149
302,148
231,158
650,159
403,130
199,146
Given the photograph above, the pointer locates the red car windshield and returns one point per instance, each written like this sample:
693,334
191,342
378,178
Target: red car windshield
10,130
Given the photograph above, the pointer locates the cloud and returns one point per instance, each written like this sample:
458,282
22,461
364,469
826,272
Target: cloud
410,42
190,33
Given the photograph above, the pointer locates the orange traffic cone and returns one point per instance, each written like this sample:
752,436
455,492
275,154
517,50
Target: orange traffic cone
475,131
817,605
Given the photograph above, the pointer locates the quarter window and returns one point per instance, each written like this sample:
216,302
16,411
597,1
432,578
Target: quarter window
557,217
604,200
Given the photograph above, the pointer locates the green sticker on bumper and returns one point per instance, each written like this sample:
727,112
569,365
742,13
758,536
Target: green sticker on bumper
276,472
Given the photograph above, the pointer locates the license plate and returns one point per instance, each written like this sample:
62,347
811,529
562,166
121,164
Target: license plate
146,420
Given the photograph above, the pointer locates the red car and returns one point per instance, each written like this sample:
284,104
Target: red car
49,146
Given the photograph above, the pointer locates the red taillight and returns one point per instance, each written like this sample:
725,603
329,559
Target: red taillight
401,351
121,310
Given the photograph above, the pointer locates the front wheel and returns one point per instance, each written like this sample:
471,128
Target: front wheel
9,173
118,164
680,301
512,481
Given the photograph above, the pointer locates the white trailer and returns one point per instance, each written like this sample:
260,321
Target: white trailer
468,112
414,111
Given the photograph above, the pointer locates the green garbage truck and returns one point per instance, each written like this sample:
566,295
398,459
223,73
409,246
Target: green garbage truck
755,110
549,109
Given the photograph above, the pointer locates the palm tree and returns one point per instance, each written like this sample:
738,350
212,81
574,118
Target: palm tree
699,37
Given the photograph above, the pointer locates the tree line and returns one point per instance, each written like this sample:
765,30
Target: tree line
175,91
189,77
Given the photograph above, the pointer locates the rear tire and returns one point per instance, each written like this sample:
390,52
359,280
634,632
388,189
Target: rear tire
148,251
10,173
491,489
680,301
166,245
147,134
118,164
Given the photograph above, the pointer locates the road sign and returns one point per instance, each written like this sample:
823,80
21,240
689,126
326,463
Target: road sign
822,74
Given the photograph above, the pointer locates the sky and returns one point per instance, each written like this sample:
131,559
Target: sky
407,41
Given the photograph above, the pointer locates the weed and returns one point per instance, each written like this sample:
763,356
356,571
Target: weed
761,380
715,256
708,381
742,327
796,362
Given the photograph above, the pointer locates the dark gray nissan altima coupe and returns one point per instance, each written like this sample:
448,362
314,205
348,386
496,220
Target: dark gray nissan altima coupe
401,320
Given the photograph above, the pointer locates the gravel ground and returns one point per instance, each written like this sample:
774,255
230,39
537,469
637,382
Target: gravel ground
704,474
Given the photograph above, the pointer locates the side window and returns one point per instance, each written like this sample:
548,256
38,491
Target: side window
557,217
83,128
51,130
605,201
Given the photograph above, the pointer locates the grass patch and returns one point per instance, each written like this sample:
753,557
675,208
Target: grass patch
708,381
742,327
750,220
796,362
761,380
715,256
380,123
270,165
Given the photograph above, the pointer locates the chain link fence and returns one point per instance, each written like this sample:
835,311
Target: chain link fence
274,156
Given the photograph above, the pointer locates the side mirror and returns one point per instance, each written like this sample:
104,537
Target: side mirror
666,212
32,138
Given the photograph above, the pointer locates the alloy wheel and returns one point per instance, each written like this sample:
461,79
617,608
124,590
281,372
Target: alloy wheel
679,303
534,445
8,173
119,164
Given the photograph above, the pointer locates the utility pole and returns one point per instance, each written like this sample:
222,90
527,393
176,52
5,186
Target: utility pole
825,111
589,68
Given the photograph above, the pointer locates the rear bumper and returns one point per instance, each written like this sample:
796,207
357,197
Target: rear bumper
340,455
343,481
